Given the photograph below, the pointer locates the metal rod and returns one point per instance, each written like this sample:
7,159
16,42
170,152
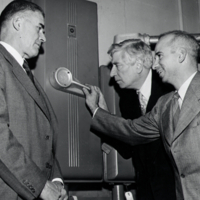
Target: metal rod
154,39
81,85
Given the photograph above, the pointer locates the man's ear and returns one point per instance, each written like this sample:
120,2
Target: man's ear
17,20
139,66
182,53
148,62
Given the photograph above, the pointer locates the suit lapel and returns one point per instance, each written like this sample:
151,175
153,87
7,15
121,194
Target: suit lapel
190,107
25,81
167,123
158,89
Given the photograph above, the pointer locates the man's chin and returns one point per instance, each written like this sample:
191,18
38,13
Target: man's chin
35,53
164,80
161,75
122,86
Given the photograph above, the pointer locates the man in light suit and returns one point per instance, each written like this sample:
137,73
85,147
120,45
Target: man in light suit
154,173
28,126
176,63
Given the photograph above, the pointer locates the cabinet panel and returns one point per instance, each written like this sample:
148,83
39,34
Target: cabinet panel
72,42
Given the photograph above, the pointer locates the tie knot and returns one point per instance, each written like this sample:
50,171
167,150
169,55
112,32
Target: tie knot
176,95
28,71
143,102
140,93
25,65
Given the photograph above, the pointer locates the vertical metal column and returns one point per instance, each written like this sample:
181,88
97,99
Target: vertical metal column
118,192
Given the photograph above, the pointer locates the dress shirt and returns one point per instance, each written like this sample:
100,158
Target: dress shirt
183,89
14,53
20,60
145,90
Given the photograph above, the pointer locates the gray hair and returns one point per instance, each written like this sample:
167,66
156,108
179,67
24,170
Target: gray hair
136,49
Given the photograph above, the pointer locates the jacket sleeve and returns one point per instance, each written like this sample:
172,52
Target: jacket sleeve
139,131
56,172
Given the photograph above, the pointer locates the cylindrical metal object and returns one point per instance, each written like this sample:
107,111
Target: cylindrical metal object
118,192
144,37
154,39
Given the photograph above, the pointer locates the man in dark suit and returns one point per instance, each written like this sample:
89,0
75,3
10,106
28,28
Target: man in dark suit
175,117
28,126
154,174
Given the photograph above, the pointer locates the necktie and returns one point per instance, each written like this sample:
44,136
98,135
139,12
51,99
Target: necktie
175,109
28,71
143,102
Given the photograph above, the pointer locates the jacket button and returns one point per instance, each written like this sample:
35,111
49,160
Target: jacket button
25,182
32,189
48,166
182,175
47,137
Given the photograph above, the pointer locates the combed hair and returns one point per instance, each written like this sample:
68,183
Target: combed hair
18,6
185,40
135,48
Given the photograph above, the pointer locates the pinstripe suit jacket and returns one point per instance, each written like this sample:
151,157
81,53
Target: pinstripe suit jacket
183,150
28,131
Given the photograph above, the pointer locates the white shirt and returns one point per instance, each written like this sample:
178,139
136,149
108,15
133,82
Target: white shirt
13,52
145,90
183,89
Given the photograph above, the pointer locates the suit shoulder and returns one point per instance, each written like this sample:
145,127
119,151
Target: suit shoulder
2,58
165,98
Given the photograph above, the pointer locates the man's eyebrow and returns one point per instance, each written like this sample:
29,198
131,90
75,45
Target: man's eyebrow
157,53
42,25
115,63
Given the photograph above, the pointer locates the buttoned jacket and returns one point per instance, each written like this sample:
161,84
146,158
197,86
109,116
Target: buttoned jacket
28,130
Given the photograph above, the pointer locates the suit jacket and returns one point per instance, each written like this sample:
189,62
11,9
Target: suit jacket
183,150
28,130
154,173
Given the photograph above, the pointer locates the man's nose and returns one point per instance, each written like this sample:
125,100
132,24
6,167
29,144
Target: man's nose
42,37
113,71
155,64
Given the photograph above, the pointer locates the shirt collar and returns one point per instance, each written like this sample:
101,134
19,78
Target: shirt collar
146,87
13,52
183,89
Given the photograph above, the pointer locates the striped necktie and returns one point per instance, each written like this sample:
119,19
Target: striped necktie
28,71
143,102
175,109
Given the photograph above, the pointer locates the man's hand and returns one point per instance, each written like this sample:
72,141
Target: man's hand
52,192
102,103
64,195
94,98
63,192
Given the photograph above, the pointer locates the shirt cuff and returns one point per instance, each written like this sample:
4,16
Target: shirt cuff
59,180
95,112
